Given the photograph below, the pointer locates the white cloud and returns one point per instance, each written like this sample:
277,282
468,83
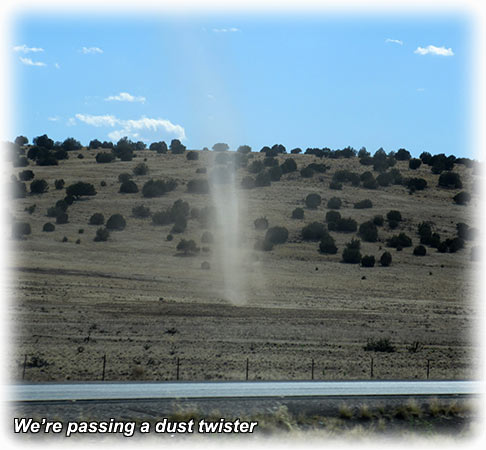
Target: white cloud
226,30
131,127
29,62
394,41
91,50
98,121
71,122
24,49
125,97
420,89
57,65
433,50
53,119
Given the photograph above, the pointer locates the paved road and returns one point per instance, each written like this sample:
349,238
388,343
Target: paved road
249,389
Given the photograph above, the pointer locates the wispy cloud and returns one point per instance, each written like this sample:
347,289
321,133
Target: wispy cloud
226,30
24,49
433,50
91,50
29,62
132,127
53,119
420,89
57,65
394,41
125,97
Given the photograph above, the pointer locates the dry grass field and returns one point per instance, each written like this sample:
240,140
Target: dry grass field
137,300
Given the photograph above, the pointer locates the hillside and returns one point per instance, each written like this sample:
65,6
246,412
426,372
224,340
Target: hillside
141,302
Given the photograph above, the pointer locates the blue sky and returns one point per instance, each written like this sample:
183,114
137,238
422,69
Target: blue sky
300,80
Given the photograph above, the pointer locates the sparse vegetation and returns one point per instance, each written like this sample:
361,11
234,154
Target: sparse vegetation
116,222
312,201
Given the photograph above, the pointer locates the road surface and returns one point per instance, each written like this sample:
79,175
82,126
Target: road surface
38,392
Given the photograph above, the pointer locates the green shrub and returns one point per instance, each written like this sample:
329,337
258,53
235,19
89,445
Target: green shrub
384,179
48,227
298,213
248,183
419,250
313,231
261,223
116,222
97,219
124,177
263,245
39,186
192,156
327,245
370,183
289,165
333,216
414,163
275,173
368,231
450,180
105,157
335,185
256,166
188,247
455,244
416,184
102,234
141,211
198,186
363,204
386,259
312,201
141,169
26,175
394,215
128,187
277,235
169,237
400,240
351,256
463,198
334,203
59,184
379,345
20,229
157,188
180,225
80,189
368,261
62,218
162,218
263,179
306,172
346,225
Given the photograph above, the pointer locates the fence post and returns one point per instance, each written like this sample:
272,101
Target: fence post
247,368
371,368
428,368
312,369
177,373
104,365
25,365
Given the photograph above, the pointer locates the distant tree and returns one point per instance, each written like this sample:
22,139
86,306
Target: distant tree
220,147
263,179
313,200
378,220
333,216
256,166
124,177
159,147
426,157
157,188
248,183
80,189
192,156
176,147
180,225
403,155
289,165
419,250
21,141
275,173
335,185
44,141
39,186
414,163
105,157
48,227
71,144
296,151
394,215
352,254
141,211
245,149
401,240
328,245
62,218
346,225
94,144
416,184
